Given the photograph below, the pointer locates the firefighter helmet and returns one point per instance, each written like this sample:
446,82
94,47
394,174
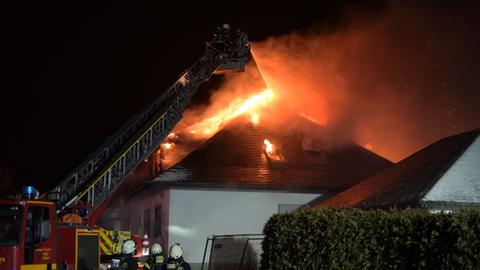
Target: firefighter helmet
129,247
156,249
176,251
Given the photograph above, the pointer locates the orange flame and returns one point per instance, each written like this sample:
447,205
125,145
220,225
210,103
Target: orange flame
268,146
168,146
252,106
255,118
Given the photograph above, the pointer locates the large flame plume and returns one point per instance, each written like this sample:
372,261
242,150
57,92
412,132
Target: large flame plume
240,94
251,106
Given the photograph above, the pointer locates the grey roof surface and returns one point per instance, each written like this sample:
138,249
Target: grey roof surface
235,157
406,183
461,183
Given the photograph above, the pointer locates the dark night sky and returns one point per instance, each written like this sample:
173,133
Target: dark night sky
76,72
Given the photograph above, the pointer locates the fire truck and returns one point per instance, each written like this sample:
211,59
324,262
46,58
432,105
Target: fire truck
32,235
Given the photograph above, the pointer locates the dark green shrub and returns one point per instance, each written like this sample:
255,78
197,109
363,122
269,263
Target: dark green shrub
357,239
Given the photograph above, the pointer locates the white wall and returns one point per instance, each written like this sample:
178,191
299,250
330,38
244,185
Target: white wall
196,214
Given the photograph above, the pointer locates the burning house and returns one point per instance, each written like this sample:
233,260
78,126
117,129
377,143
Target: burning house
227,171
253,152
233,182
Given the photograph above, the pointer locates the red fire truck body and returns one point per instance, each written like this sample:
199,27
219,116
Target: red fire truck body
34,240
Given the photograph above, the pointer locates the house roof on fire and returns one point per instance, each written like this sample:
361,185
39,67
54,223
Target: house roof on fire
311,159
442,176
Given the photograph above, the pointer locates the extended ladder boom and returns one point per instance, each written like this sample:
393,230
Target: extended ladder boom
105,169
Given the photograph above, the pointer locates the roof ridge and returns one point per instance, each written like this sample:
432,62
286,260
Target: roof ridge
401,174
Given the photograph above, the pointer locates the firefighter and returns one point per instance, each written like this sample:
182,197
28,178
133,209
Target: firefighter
223,32
155,260
127,262
175,260
221,38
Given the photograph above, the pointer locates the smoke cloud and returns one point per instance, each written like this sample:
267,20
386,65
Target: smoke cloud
394,83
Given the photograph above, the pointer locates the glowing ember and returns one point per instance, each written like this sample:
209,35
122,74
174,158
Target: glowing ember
168,146
252,106
268,146
369,146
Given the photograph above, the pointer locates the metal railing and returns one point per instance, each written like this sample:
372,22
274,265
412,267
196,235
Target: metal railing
236,251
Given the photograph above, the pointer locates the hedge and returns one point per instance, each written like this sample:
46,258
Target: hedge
358,239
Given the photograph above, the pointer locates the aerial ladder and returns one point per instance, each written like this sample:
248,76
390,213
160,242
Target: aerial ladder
104,170
31,231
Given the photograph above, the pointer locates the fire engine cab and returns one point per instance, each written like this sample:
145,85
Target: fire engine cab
31,238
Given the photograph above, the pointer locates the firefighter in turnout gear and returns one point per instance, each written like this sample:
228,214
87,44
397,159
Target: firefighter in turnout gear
223,33
127,262
156,260
175,260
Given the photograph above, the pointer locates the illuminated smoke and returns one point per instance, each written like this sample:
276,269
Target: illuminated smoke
394,83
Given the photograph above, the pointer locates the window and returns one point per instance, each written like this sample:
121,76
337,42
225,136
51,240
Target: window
146,220
38,229
158,221
45,228
10,224
38,224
